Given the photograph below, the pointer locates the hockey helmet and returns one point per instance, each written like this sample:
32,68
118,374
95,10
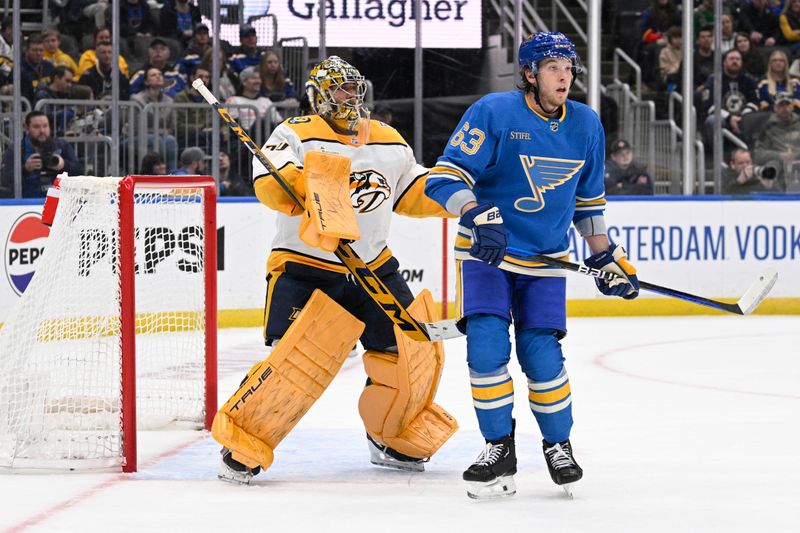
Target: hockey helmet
544,45
323,81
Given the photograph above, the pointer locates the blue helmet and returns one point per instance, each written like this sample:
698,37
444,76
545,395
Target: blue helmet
544,45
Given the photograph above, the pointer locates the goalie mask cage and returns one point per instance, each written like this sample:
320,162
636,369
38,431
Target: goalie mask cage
117,329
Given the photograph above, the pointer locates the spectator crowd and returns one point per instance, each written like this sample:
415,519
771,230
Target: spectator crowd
760,80
164,46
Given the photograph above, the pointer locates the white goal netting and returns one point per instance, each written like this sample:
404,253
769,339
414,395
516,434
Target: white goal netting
61,378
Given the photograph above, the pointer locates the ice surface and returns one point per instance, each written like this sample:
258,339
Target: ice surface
681,424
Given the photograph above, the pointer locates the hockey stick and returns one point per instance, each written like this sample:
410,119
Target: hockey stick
371,283
751,299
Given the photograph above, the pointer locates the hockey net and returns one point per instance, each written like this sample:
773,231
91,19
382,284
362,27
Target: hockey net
117,329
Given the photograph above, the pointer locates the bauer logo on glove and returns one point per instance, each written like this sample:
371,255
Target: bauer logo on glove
488,235
615,260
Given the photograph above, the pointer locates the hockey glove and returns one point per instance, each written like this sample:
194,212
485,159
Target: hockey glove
615,260
488,233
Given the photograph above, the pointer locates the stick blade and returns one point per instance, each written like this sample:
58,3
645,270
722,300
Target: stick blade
757,291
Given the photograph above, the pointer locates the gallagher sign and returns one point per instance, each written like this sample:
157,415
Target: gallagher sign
382,23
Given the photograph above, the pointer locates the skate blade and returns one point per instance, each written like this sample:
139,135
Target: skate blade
502,487
567,488
398,465
229,475
378,458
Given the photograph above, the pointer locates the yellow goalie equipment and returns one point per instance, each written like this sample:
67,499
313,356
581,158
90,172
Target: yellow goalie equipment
329,212
397,407
279,390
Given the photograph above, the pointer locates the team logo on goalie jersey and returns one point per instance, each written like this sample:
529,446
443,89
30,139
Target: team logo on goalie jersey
368,190
24,245
544,174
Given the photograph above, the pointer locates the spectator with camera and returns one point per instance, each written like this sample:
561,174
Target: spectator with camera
742,177
780,137
624,175
43,157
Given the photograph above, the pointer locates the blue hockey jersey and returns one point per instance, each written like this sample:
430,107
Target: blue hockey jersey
542,173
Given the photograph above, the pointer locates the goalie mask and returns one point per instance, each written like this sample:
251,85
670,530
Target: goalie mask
330,75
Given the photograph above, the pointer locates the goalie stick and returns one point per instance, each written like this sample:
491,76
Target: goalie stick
371,283
751,299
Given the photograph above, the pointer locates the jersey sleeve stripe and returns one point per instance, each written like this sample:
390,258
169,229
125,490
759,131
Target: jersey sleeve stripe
458,171
582,199
600,201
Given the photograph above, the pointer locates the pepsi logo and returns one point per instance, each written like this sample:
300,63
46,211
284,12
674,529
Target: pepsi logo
24,246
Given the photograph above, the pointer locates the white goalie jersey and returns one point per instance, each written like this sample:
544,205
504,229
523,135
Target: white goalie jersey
384,177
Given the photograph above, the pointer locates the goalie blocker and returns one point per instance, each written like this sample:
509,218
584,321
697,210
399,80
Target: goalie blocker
397,407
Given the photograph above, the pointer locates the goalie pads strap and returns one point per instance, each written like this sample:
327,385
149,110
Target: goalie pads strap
329,214
397,407
279,390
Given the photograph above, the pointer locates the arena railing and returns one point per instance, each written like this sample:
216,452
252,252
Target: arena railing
93,118
95,153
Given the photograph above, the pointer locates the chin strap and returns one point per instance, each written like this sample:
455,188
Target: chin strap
535,90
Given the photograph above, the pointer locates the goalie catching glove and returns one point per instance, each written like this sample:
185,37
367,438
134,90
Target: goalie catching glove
329,214
615,260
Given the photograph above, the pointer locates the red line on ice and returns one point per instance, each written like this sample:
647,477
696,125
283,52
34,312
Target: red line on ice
88,493
600,360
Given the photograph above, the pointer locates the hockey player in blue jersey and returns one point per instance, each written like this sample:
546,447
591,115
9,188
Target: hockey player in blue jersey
519,169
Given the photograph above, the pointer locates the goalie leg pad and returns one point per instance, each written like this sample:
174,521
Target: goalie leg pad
329,212
279,390
397,407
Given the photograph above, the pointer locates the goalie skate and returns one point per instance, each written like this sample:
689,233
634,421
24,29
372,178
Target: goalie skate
232,471
384,456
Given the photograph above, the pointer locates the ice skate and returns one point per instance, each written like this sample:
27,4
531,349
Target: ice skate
381,455
491,476
232,471
561,464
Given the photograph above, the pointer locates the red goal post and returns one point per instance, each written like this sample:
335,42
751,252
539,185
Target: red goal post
117,329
